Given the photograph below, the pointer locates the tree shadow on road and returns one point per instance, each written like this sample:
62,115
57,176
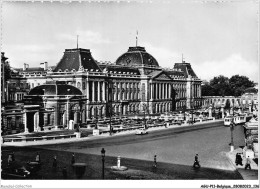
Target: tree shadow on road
137,169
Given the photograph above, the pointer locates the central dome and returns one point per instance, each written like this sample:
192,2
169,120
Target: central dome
137,56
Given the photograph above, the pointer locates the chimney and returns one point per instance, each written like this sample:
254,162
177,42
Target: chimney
44,65
25,66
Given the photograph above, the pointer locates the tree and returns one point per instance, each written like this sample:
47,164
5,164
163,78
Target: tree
207,90
6,66
220,85
227,106
238,84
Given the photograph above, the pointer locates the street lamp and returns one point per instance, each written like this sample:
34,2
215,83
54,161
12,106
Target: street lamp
103,151
191,116
232,142
144,116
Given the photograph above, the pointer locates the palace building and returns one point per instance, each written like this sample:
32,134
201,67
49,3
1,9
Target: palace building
135,83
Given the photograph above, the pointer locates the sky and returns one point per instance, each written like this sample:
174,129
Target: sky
217,38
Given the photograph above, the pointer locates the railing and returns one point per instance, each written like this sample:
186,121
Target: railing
43,138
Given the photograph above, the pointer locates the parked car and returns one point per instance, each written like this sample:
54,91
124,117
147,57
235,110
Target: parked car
33,166
141,131
17,173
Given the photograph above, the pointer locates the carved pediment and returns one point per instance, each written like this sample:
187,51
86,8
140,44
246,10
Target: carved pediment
162,77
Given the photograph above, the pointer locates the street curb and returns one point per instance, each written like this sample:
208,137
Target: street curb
177,129
230,160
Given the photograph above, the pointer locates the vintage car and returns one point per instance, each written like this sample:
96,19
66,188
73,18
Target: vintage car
141,131
15,173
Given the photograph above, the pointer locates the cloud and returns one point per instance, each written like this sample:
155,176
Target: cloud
165,57
31,48
232,65
30,53
85,37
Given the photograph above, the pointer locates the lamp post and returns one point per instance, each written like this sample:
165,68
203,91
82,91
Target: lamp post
144,116
103,151
232,142
191,116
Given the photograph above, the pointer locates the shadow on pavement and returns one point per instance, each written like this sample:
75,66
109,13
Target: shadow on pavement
137,169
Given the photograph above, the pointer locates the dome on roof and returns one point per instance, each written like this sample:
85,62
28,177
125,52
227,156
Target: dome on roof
137,56
55,89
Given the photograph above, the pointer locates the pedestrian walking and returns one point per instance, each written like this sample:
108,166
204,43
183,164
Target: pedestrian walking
64,172
155,161
248,162
38,158
73,159
239,159
54,164
9,160
196,162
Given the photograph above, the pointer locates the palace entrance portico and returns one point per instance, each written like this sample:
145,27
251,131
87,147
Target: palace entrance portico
31,118
59,104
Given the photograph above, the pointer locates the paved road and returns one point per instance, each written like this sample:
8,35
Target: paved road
175,154
170,147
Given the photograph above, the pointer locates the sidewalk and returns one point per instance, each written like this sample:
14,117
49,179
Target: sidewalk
246,174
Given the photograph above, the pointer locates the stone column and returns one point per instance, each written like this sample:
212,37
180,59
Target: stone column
169,91
137,90
210,111
93,91
25,122
151,91
104,91
114,91
45,118
67,113
222,110
76,116
87,89
36,122
133,94
88,112
166,90
64,118
56,121
98,92
163,97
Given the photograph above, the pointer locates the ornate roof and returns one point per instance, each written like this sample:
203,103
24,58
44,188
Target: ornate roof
75,58
185,68
118,69
137,56
54,90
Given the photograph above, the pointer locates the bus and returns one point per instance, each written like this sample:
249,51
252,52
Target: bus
228,120
240,119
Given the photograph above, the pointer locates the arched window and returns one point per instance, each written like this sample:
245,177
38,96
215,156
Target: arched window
78,85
